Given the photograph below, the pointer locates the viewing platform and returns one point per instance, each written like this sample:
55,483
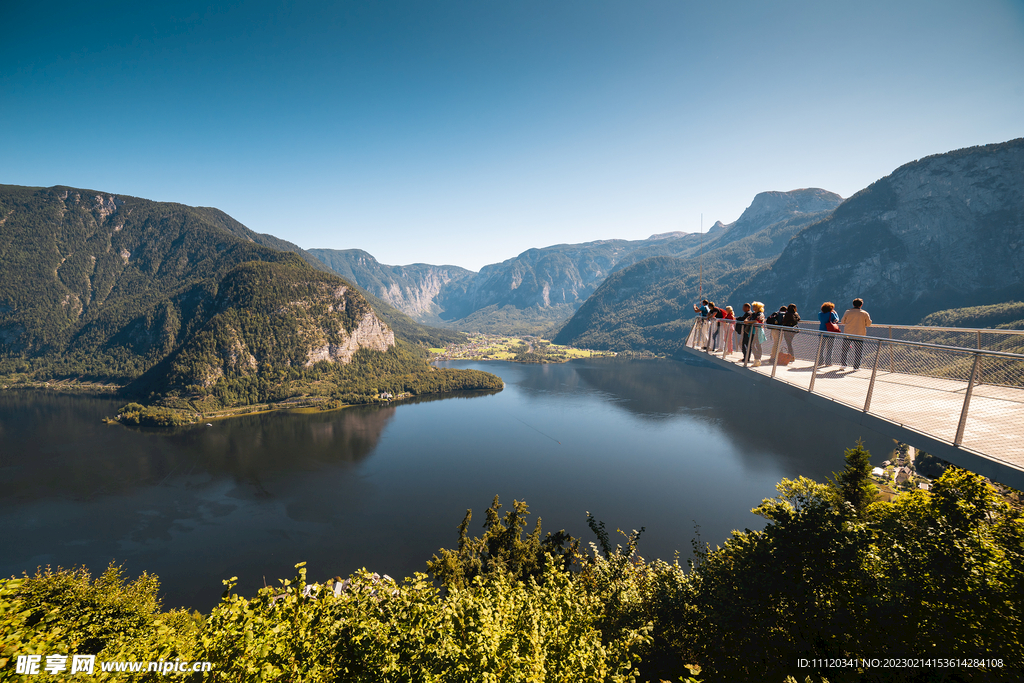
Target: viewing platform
920,385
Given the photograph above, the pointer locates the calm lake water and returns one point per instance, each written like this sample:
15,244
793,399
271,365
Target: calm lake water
654,443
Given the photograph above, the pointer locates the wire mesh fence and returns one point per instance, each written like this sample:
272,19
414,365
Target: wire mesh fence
970,397
1007,341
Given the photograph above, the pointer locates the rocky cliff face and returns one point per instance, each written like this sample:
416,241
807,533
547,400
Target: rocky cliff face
369,333
547,285
537,282
418,290
271,316
941,232
773,207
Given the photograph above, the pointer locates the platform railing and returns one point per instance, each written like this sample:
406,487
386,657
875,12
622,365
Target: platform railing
1009,341
969,397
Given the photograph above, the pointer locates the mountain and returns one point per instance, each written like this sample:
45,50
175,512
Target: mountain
939,233
643,306
519,295
419,290
179,299
544,287
946,231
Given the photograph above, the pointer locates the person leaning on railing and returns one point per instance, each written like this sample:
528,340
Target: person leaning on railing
714,315
855,321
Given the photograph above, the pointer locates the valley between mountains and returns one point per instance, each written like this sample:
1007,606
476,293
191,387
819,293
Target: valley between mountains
188,312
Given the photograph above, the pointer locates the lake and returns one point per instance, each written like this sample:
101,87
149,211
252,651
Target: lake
659,444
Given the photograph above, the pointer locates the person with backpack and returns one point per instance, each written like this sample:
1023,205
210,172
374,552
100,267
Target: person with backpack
790,320
775,319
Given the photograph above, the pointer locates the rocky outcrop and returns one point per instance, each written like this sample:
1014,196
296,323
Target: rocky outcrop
938,233
769,208
370,333
419,290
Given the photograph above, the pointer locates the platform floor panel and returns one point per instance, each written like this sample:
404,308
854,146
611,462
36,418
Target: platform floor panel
929,405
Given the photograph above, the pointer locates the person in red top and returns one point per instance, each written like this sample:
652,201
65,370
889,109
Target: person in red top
728,315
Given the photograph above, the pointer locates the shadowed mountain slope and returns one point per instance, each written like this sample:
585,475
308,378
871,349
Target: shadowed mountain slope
943,232
946,231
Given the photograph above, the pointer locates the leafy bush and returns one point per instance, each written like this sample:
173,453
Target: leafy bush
65,611
495,629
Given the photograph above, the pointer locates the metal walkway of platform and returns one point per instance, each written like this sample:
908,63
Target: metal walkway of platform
964,405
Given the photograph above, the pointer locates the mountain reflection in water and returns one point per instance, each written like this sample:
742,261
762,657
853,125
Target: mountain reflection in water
654,443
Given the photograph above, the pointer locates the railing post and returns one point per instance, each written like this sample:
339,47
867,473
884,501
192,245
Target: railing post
979,340
871,384
775,351
959,438
817,358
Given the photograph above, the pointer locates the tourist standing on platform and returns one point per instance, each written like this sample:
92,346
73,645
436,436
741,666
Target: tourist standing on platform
714,314
728,315
775,319
855,321
791,319
756,330
828,321
743,329
702,312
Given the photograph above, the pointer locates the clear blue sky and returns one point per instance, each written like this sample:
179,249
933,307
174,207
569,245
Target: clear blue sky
466,132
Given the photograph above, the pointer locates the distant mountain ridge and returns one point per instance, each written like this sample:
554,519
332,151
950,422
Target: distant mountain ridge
640,306
941,232
547,285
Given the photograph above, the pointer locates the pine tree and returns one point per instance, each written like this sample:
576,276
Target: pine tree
854,483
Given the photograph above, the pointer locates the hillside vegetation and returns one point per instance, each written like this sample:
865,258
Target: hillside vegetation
1005,316
835,574
185,303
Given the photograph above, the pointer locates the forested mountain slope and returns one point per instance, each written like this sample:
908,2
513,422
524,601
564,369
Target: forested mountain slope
108,287
943,232
946,231
646,305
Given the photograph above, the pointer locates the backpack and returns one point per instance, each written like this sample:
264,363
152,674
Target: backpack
774,319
